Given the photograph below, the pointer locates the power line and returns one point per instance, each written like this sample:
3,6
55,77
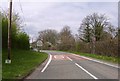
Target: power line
23,17
22,12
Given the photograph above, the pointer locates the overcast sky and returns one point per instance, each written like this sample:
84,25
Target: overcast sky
39,15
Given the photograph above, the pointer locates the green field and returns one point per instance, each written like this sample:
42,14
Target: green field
23,62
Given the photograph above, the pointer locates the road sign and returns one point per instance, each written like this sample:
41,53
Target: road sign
39,43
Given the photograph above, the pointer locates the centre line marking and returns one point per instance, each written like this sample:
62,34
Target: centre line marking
86,71
47,63
70,59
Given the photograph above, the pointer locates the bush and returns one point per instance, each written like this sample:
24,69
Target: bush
106,47
19,39
23,41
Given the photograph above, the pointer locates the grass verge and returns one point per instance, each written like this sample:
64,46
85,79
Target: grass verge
100,57
22,63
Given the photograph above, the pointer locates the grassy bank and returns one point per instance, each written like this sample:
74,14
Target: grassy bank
100,57
22,63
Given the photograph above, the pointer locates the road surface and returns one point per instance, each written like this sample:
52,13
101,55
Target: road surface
62,65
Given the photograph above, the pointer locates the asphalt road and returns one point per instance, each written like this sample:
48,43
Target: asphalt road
62,65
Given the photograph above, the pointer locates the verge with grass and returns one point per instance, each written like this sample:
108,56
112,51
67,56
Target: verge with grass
100,57
23,62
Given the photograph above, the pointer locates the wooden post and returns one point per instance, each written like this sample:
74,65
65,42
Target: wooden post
9,33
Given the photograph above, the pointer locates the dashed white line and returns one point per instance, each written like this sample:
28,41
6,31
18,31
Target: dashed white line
86,71
47,63
97,61
70,59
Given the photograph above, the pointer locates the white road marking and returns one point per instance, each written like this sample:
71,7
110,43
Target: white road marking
97,61
54,56
62,56
70,59
86,71
47,63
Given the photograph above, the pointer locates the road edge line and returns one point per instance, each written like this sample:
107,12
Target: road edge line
96,61
50,58
86,71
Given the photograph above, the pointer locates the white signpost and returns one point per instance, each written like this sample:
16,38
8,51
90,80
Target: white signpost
39,44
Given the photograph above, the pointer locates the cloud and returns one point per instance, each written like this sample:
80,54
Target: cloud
63,0
55,15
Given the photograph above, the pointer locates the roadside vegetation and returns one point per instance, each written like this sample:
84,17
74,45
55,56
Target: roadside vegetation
23,62
23,59
100,57
19,39
96,36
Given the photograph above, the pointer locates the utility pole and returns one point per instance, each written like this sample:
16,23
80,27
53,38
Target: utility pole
9,33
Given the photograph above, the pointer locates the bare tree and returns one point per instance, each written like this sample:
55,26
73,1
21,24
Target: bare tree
48,37
67,40
93,26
